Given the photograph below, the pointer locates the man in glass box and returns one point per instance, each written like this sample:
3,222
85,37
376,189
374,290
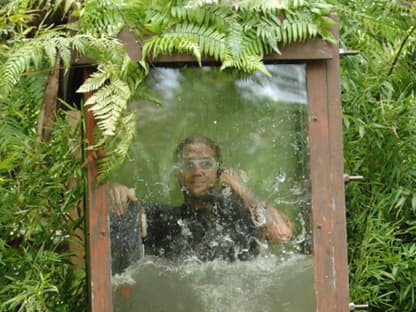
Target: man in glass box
219,219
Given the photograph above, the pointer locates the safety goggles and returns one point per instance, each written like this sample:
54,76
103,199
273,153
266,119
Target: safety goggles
192,164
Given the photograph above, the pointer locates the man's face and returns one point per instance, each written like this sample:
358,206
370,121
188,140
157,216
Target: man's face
198,169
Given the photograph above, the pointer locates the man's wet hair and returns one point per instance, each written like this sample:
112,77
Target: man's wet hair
197,139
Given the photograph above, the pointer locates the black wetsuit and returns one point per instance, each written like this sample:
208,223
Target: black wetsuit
224,230
126,239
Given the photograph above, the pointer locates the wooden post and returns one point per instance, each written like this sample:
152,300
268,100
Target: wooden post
98,235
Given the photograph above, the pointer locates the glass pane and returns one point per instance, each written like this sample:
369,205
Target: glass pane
260,125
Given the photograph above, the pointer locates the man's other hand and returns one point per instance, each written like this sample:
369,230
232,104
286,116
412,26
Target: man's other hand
119,197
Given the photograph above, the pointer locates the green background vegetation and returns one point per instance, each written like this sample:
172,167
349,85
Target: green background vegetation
378,97
40,183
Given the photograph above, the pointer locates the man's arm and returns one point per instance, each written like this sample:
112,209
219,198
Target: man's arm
277,226
119,197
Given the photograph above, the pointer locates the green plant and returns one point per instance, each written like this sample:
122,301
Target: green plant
36,224
237,34
379,121
41,183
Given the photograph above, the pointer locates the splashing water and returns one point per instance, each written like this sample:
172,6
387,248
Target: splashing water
266,283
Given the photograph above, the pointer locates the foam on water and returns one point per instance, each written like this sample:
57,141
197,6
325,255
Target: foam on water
266,283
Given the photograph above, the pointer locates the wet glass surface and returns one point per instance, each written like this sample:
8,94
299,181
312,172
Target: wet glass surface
266,284
260,124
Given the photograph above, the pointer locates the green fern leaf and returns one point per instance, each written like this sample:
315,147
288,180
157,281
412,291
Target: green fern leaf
215,17
116,149
234,40
95,80
108,103
210,41
22,57
170,43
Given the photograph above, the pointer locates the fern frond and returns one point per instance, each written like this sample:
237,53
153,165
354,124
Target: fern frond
235,39
211,41
100,17
116,149
264,28
108,103
131,72
213,16
324,23
21,58
31,55
253,45
250,64
156,21
299,27
263,5
95,80
103,49
107,17
192,4
170,43
256,5
52,42
245,50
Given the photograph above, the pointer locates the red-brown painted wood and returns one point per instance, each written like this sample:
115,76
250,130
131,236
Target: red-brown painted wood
98,242
337,176
322,215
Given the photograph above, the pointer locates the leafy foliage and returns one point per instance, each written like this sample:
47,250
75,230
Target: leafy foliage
239,33
231,33
35,205
379,117
40,186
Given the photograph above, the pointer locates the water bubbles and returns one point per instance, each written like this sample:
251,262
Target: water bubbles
296,190
243,176
120,280
301,237
185,231
161,188
218,227
266,283
132,190
227,238
280,177
226,191
259,216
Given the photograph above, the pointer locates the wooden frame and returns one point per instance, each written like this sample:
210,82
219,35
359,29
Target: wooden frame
326,169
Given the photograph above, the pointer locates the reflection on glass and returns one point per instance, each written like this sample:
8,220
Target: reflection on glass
225,264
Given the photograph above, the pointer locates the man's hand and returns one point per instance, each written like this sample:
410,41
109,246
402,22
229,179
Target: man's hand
277,226
231,178
119,197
